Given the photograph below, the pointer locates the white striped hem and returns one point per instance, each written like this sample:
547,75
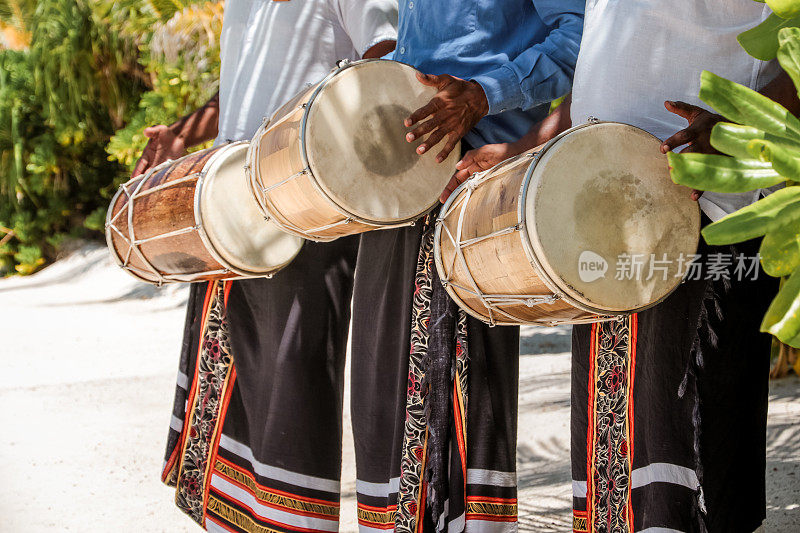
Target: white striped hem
487,526
457,524
652,473
176,423
495,478
664,473
264,512
378,490
183,380
213,527
578,489
275,473
366,529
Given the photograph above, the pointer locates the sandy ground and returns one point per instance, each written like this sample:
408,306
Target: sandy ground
90,357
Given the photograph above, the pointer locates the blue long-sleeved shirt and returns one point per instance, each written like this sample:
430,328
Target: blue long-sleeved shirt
522,52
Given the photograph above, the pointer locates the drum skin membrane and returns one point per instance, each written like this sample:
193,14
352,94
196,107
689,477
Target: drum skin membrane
356,147
233,222
601,208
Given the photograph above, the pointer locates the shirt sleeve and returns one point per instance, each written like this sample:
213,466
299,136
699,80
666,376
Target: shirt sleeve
368,22
544,71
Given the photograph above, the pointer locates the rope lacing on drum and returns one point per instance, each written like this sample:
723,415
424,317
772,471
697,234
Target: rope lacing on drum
490,301
134,244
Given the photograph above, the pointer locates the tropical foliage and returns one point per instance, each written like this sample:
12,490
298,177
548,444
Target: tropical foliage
79,80
761,147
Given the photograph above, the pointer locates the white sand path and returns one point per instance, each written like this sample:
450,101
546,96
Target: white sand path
89,358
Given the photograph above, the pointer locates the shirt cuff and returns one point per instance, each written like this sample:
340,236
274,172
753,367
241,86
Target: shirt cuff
502,88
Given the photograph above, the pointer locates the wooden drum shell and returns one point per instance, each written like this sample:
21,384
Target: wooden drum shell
166,210
499,264
194,219
277,154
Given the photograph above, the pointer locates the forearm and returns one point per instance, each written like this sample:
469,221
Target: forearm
556,122
782,91
539,74
380,49
199,126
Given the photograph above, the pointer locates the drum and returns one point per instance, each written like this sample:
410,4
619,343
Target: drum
588,227
195,219
334,161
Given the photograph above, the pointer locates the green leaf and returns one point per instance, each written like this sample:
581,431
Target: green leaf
719,173
794,343
783,316
761,42
785,160
778,209
780,251
785,8
789,53
746,106
733,139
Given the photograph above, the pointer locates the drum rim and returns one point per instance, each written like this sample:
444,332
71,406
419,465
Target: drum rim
198,219
526,235
255,189
437,258
341,67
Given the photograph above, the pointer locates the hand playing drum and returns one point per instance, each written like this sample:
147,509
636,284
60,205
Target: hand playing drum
172,142
489,155
452,112
333,162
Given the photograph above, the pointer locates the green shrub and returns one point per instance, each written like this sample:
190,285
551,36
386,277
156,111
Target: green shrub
73,106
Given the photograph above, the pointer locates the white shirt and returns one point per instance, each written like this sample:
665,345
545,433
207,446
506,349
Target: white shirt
270,50
636,54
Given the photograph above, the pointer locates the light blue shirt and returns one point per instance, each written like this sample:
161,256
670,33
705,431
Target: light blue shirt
522,52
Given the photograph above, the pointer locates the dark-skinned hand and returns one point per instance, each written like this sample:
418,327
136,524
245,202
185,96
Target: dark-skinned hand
697,135
164,144
478,160
452,112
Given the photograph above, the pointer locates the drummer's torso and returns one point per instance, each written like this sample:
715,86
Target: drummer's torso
467,38
270,50
637,53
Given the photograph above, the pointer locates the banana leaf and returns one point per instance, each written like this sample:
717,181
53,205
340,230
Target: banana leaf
789,53
719,173
785,8
783,316
746,106
761,42
779,209
785,160
780,251
733,139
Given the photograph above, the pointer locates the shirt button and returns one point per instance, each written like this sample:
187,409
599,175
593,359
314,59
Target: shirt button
402,49
411,5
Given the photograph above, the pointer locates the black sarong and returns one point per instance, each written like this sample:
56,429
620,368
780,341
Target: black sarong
392,335
255,439
669,409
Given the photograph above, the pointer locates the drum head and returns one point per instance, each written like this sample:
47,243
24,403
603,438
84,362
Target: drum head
606,223
233,221
356,147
